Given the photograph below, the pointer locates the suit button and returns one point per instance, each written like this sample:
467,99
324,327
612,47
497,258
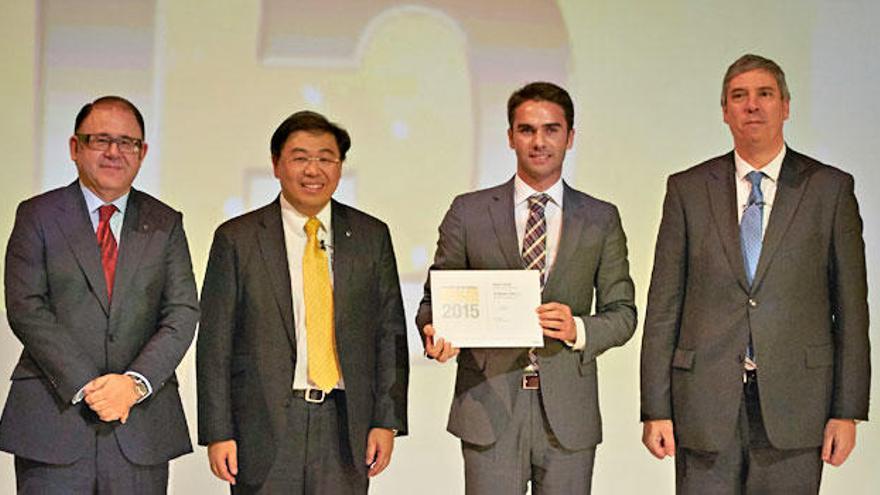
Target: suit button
753,303
112,337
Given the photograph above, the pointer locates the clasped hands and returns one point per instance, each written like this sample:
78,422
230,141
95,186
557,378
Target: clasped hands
111,396
555,318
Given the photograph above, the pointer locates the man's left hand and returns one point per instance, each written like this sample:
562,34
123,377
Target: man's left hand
840,439
111,396
380,443
557,321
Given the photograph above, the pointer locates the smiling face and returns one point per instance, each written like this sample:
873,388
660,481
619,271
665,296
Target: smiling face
755,110
540,137
108,173
308,186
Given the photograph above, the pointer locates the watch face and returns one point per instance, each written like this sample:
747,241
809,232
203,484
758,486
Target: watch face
140,387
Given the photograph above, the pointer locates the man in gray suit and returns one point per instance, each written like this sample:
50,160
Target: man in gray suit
533,415
302,382
755,356
100,292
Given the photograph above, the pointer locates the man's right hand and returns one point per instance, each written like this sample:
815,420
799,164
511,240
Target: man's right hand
657,435
223,458
440,350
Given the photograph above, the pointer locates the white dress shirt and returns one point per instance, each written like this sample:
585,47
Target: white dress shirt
768,184
553,217
295,244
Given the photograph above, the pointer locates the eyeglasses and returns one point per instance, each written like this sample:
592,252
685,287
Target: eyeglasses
302,161
102,142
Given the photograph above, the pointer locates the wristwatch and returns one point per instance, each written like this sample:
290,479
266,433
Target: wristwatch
140,387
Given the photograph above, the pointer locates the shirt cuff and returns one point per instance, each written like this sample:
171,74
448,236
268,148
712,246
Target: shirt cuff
142,378
581,339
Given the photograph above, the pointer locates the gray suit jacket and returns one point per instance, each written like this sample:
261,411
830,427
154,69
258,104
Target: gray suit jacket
56,302
246,350
479,232
806,310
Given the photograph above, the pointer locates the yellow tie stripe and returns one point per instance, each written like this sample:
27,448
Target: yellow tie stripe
323,362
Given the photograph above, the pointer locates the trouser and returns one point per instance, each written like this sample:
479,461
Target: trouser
108,472
527,451
314,456
749,464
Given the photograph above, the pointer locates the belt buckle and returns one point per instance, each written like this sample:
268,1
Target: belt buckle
531,381
314,395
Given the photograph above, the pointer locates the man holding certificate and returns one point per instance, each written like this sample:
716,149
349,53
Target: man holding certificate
530,413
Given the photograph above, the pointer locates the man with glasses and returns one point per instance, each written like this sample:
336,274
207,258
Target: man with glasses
100,292
755,355
302,356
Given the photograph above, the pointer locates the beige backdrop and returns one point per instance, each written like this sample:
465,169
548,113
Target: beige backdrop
421,86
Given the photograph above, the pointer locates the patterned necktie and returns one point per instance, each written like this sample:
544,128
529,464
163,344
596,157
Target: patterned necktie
751,226
751,236
323,362
534,251
107,243
534,248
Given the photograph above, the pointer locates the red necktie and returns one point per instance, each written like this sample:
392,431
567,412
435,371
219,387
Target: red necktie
107,243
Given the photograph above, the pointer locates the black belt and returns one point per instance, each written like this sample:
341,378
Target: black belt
315,395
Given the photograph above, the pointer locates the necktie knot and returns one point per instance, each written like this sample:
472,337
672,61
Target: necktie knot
537,202
105,212
756,195
312,226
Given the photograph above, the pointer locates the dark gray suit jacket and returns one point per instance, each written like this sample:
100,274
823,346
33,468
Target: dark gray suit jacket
479,233
806,309
56,302
246,350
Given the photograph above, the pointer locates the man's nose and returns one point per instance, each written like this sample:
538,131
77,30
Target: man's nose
539,140
112,149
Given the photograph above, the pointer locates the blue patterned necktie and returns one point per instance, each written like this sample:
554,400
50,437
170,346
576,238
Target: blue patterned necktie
751,234
751,226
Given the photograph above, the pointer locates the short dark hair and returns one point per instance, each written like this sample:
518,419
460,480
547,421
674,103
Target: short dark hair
541,91
109,100
312,122
754,62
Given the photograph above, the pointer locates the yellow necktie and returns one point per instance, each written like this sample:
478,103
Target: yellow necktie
323,362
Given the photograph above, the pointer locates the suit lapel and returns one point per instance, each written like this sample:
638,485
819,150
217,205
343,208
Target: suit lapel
504,224
721,189
342,259
574,220
73,219
134,235
789,191
270,238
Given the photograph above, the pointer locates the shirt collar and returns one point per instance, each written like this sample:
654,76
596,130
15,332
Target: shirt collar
290,214
771,170
93,202
522,191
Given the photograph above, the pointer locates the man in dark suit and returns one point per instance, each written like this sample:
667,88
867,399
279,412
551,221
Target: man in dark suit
755,357
302,383
93,406
533,415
